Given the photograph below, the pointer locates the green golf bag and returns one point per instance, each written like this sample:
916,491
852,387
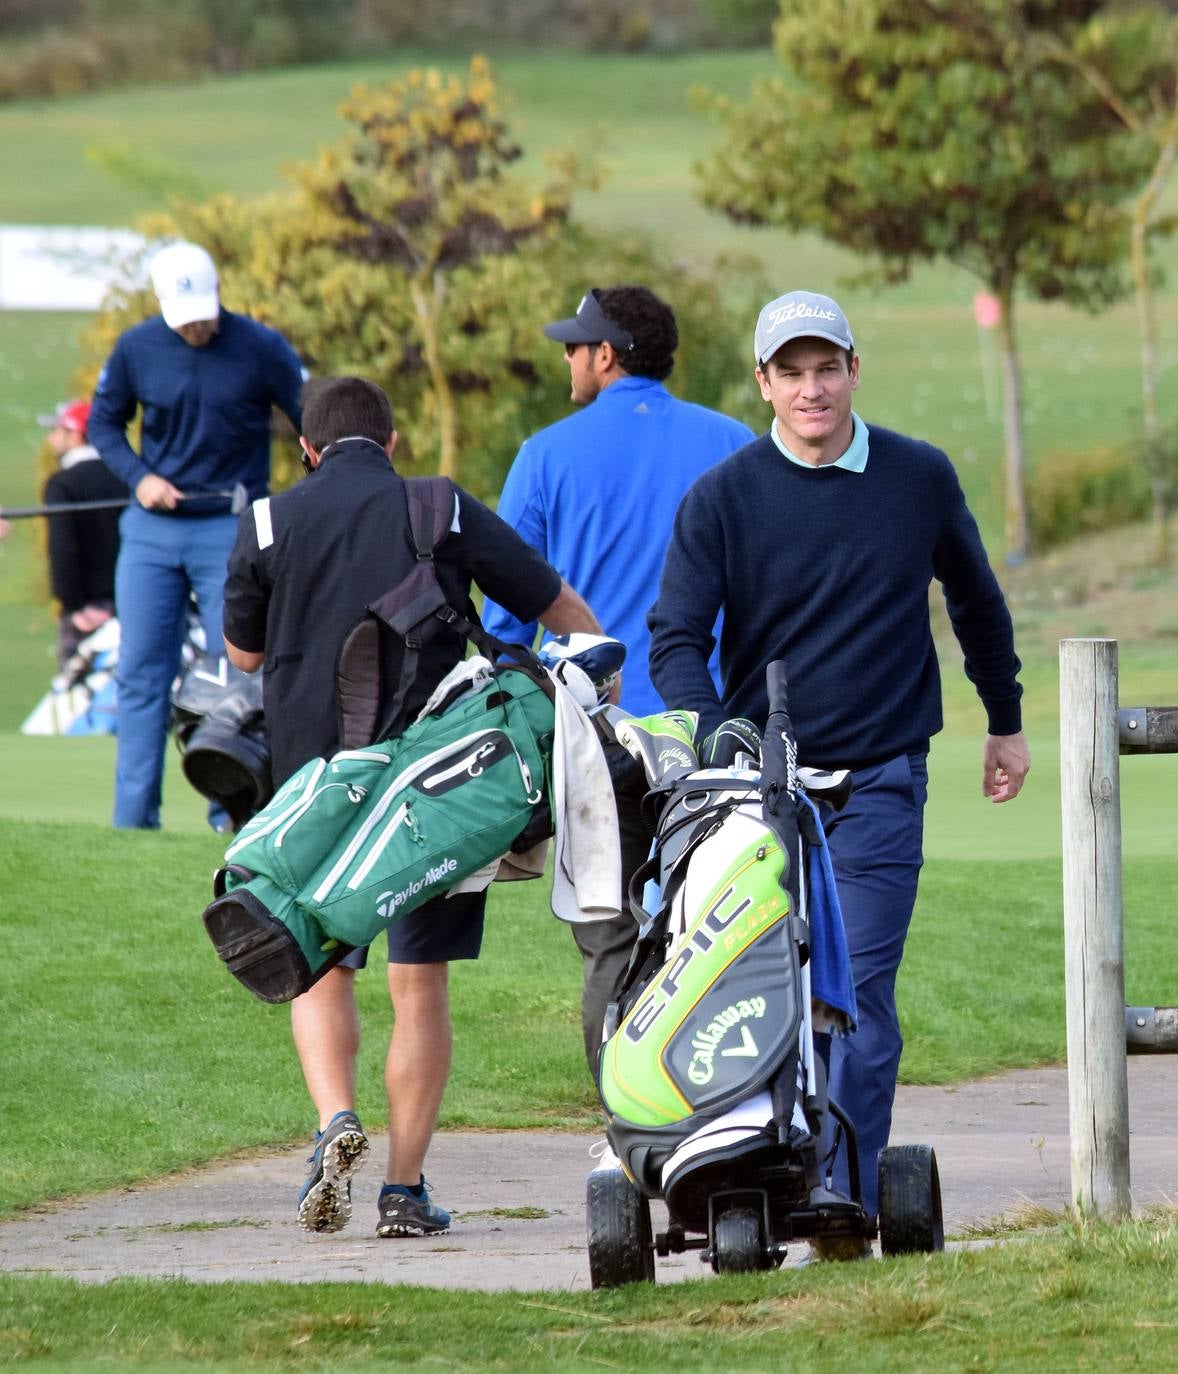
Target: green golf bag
350,844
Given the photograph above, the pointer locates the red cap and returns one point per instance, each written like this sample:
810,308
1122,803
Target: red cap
73,415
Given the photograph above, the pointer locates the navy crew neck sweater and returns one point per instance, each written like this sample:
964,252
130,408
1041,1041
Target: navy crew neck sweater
206,411
830,571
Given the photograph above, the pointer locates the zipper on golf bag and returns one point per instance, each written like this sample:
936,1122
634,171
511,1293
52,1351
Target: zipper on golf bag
433,775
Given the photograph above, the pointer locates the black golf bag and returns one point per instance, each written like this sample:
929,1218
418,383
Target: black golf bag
221,734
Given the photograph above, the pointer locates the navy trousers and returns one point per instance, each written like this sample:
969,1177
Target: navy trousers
161,559
876,849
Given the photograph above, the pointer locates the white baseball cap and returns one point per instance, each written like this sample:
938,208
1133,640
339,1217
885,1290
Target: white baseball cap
184,279
799,315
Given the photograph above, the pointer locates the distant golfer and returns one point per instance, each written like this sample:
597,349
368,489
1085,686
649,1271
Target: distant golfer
83,544
820,540
596,495
206,380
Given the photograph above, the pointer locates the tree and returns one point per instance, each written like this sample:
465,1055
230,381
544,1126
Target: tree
913,130
1131,61
413,253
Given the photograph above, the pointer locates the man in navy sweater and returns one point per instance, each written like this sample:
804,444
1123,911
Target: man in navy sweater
819,541
206,380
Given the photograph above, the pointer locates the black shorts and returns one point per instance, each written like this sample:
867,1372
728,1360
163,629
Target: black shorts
445,929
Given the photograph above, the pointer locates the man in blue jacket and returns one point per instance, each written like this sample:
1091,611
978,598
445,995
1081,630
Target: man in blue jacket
596,495
819,540
206,381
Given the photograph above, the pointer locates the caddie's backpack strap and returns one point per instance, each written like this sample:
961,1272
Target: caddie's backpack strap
415,610
431,514
403,608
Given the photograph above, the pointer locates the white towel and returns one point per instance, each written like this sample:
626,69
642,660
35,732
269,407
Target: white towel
587,872
587,868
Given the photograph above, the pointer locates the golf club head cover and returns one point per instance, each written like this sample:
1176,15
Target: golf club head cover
736,743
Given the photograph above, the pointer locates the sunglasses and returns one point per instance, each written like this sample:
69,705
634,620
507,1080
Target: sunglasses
571,348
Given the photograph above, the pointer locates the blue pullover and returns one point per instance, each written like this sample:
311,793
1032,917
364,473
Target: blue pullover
829,569
206,411
596,495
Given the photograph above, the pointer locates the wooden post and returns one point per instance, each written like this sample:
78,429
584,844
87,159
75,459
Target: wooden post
1094,972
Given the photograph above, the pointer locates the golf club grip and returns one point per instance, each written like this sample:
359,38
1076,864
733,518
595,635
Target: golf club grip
777,688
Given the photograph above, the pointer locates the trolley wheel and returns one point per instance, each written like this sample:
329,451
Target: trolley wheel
739,1247
910,1219
617,1223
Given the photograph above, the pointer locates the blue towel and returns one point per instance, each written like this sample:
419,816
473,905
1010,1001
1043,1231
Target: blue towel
830,962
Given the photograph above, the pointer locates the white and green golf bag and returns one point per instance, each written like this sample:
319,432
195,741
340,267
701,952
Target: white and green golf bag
707,1071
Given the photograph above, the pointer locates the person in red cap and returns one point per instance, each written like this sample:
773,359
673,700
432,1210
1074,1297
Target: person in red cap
83,545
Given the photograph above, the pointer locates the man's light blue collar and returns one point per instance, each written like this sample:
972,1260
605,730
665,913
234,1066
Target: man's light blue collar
855,458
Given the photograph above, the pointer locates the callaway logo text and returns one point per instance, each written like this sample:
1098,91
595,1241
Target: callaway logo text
706,1042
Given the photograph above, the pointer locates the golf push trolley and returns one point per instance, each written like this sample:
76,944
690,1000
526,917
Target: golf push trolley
714,1095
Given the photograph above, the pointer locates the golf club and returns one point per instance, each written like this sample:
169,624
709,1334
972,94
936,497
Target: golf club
237,497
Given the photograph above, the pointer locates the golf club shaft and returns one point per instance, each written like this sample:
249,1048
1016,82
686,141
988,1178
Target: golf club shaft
115,503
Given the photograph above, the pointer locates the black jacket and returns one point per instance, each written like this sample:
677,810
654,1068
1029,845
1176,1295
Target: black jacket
83,545
308,561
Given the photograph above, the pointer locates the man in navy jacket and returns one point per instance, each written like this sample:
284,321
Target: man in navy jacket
819,540
206,381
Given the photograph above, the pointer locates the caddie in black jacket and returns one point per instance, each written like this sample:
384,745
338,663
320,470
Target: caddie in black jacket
305,565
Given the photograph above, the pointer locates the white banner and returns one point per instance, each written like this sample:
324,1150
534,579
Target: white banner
53,267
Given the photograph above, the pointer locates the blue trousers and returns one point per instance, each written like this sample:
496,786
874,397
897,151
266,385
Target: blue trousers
161,559
876,849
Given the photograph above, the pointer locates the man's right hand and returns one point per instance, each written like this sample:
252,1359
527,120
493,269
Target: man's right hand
157,493
88,619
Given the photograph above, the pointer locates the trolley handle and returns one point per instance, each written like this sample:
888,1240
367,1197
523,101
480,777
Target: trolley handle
777,687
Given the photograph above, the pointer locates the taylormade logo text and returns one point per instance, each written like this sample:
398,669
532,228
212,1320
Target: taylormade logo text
388,902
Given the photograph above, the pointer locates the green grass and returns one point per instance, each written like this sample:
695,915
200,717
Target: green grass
1094,1298
116,1004
639,130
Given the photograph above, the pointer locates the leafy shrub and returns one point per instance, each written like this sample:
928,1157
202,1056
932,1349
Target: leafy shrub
1074,494
56,63
414,252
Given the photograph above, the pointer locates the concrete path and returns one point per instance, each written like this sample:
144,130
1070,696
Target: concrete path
1001,1143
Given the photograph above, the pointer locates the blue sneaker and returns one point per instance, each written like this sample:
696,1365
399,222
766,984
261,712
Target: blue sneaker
325,1204
406,1211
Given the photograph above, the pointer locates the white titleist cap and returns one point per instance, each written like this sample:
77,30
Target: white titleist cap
184,279
799,315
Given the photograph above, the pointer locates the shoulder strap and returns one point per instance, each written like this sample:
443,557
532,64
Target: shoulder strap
414,610
431,512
